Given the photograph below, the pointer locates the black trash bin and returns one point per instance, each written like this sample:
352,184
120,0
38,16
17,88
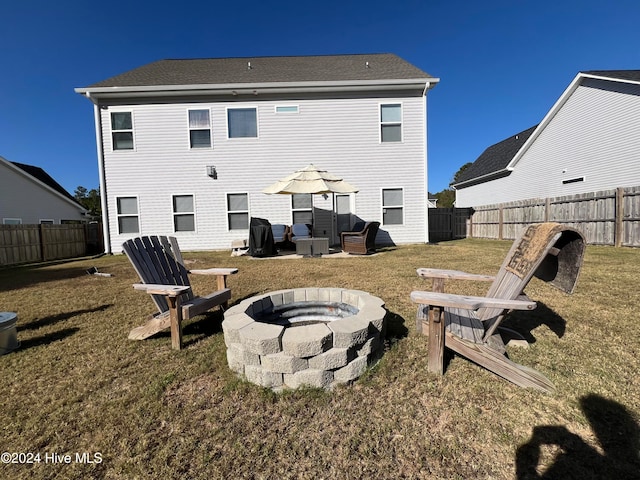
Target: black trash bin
261,242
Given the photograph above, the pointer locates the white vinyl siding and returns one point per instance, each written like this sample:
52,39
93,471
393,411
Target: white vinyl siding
593,136
346,144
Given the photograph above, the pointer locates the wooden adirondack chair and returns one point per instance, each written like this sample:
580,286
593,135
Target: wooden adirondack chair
469,325
160,266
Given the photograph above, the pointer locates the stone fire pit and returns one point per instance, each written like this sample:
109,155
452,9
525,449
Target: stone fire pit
317,337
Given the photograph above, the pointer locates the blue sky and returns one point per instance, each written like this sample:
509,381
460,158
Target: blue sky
502,64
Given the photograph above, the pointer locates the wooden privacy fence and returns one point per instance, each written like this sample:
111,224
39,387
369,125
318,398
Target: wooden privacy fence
448,223
46,242
609,217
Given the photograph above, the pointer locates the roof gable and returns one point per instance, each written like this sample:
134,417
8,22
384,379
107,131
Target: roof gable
43,177
495,159
502,157
251,70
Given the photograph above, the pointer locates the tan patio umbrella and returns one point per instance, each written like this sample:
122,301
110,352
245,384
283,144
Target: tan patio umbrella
310,180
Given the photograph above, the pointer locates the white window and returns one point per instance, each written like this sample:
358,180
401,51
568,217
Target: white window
287,109
122,130
46,222
391,122
301,208
238,211
184,218
127,209
12,221
242,122
392,206
199,129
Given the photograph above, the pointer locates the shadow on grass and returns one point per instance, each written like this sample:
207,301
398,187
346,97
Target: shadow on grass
47,339
524,322
53,319
16,277
396,326
618,435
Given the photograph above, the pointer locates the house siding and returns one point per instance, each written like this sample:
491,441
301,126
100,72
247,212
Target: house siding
338,133
22,197
593,135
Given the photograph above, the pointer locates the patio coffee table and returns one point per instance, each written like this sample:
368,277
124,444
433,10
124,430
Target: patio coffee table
312,246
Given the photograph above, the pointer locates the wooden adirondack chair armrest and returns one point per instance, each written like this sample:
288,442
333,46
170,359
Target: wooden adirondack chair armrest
468,302
215,271
452,275
220,273
170,291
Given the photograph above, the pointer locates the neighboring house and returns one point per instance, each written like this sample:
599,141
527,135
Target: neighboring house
28,195
432,202
185,147
586,143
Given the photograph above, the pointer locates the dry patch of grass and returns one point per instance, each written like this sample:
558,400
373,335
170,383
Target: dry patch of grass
78,385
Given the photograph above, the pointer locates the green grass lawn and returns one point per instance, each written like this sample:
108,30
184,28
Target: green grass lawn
78,385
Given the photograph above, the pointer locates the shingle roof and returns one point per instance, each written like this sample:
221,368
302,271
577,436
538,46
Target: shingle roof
212,71
633,75
496,157
45,178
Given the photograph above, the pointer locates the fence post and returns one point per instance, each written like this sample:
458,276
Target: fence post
500,220
43,256
619,208
547,207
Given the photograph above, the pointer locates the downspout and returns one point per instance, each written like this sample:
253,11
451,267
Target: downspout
427,85
103,186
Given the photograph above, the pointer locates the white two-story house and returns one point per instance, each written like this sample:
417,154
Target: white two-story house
185,147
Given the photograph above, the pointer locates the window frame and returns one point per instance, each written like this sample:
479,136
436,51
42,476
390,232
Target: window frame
383,124
191,129
287,112
400,207
46,221
246,107
232,212
175,214
11,221
127,130
301,210
127,215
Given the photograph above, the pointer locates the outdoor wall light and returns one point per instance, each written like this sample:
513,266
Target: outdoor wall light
212,172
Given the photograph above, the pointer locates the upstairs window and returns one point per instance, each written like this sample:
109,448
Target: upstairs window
242,122
238,211
391,122
287,109
392,206
199,129
122,130
184,218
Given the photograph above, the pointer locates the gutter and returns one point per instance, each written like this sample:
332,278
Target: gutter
255,88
